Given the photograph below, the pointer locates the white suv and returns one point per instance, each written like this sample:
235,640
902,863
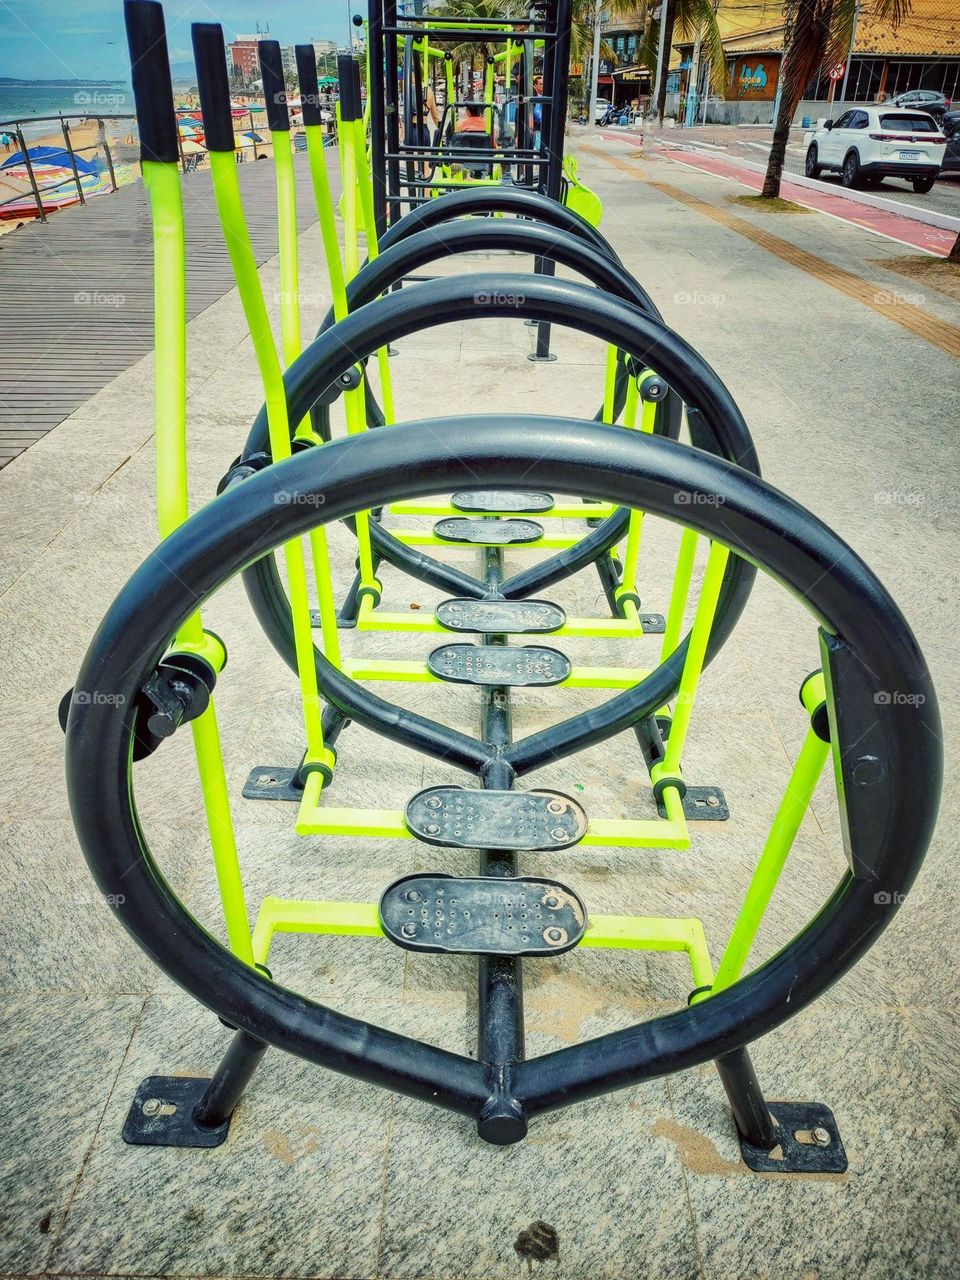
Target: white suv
868,144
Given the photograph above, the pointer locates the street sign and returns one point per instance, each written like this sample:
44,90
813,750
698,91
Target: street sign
838,71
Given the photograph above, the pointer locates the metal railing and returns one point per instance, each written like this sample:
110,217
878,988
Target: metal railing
16,129
190,157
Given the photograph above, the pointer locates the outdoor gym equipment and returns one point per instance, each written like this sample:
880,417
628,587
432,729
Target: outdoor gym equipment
155,667
403,44
886,754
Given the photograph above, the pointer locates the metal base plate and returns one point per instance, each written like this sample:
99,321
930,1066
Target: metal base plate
342,622
482,915
272,782
702,804
653,624
460,819
494,664
488,533
493,617
168,1119
817,1149
502,500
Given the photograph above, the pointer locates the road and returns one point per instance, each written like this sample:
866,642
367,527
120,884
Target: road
752,143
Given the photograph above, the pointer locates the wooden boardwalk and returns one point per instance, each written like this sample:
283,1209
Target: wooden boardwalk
76,293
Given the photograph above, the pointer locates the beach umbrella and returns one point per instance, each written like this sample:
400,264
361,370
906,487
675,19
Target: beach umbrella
256,107
246,139
191,148
188,130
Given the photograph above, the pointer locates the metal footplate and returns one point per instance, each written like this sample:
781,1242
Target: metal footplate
482,915
808,1141
488,533
521,820
489,664
493,617
502,500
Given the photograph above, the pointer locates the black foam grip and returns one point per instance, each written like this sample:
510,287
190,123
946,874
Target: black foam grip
349,92
309,88
213,83
274,88
150,76
357,93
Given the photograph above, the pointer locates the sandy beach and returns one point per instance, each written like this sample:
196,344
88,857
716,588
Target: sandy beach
89,138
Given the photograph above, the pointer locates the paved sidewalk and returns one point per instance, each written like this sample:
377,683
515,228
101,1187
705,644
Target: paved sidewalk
852,403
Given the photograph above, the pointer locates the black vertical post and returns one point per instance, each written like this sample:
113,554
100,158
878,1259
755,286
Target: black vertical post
229,1080
556,68
500,978
392,108
746,1099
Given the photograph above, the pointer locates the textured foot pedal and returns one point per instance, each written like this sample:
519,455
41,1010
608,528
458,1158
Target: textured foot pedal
491,664
488,533
702,804
482,915
502,500
809,1141
500,616
522,820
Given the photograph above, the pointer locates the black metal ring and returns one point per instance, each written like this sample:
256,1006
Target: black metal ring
592,311
858,619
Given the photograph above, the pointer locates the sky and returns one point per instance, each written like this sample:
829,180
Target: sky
85,39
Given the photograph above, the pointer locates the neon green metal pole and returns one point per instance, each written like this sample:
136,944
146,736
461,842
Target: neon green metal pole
365,193
288,237
354,407
170,343
786,823
693,665
289,256
683,573
648,419
226,189
316,158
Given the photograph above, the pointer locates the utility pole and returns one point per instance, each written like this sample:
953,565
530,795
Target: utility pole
595,62
690,115
660,15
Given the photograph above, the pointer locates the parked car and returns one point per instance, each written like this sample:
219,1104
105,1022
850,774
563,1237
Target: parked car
935,104
600,110
951,128
868,144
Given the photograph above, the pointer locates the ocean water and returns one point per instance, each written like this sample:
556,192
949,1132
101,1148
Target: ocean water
21,102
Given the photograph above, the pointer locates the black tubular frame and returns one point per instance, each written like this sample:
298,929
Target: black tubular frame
426,246
868,650
563,302
384,26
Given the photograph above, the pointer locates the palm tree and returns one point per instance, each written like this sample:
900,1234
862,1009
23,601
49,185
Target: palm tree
816,38
683,17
